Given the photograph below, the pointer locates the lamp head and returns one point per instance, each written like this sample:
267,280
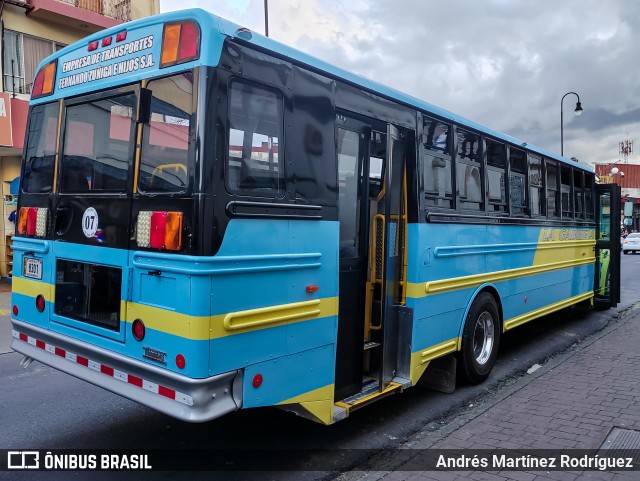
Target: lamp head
614,171
578,110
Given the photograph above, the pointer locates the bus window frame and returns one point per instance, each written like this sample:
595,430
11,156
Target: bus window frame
268,194
25,148
506,170
193,135
445,154
92,97
481,164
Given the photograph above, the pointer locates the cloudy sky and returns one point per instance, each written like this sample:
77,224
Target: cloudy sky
503,63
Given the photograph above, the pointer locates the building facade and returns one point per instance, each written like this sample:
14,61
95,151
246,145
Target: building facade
30,30
627,176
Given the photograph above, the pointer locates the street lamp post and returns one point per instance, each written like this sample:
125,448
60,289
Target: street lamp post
266,18
577,111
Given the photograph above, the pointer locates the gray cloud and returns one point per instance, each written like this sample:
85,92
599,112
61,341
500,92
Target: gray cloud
502,63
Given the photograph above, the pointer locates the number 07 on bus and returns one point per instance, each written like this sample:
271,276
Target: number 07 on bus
210,220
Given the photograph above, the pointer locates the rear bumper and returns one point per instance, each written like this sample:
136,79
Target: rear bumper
192,400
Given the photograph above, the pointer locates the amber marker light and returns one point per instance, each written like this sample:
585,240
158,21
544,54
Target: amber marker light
173,231
170,41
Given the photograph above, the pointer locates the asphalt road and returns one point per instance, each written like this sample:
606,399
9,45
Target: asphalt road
41,408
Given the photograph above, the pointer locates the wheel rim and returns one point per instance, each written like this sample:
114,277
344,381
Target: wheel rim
483,337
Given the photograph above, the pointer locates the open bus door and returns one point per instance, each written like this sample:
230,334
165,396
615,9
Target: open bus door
607,268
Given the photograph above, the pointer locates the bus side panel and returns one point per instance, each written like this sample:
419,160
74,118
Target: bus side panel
268,317
532,268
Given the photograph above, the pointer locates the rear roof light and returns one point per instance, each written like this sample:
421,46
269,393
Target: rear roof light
159,230
180,43
92,46
121,36
189,41
44,82
106,41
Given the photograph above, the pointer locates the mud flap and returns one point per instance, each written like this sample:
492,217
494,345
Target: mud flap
440,375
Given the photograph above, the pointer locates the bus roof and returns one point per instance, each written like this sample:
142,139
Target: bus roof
136,57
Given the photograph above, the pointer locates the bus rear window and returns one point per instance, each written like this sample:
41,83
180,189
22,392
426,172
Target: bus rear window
41,149
166,138
98,145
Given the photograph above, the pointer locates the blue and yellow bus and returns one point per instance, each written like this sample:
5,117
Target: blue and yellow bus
210,220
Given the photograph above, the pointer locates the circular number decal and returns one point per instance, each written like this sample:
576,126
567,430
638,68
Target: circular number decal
90,222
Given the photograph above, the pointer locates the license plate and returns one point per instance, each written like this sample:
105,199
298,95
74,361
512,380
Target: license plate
33,268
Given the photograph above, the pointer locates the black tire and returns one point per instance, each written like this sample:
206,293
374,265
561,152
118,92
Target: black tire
626,253
480,339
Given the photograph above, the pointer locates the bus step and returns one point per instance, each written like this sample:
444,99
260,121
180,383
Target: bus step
370,393
370,345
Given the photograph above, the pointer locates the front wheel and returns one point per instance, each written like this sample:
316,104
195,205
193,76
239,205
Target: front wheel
480,339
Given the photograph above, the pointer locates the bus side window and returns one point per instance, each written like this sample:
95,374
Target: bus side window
469,168
254,163
435,152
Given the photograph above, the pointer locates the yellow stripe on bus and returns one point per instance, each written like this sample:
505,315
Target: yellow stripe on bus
543,311
422,289
203,327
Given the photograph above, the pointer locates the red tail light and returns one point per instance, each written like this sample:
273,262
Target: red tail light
92,46
40,303
158,227
121,36
138,330
32,216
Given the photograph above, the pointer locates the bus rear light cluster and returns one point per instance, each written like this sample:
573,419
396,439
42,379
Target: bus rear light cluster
180,43
159,230
43,84
33,221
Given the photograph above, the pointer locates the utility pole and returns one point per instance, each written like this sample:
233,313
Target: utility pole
266,18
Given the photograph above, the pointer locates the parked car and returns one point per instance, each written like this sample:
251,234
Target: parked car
631,243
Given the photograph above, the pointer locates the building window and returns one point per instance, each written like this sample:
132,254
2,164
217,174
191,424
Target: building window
21,56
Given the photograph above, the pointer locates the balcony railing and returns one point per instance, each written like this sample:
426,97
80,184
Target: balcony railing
118,9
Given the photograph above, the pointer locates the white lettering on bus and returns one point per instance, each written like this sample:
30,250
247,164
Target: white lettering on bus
116,68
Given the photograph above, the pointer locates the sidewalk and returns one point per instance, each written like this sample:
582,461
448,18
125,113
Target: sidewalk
574,403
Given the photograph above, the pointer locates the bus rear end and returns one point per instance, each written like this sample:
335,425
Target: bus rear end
106,282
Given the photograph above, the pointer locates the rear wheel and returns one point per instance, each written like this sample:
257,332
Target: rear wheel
480,339
626,253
